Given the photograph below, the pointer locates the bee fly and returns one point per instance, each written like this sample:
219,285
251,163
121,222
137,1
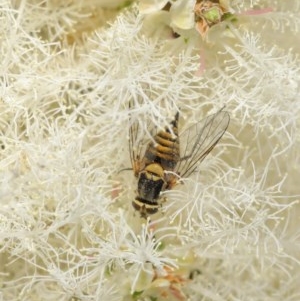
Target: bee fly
163,163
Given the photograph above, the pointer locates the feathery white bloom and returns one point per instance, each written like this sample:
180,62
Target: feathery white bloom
67,227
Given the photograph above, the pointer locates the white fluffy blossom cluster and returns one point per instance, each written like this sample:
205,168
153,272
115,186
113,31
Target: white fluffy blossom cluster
69,70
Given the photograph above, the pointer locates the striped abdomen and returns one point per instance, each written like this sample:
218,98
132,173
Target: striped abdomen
166,149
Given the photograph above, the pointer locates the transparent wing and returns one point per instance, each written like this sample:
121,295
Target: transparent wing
138,141
199,140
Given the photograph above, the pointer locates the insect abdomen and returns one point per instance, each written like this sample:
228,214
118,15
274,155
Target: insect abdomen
166,151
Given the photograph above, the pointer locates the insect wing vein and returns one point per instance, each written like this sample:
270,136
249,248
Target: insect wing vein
138,142
198,141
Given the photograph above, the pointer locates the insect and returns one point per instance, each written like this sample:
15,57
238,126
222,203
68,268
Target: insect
170,156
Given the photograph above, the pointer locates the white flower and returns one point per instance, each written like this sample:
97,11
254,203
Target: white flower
150,6
69,70
181,12
187,14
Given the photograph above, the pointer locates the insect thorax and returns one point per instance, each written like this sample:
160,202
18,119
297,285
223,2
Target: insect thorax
150,184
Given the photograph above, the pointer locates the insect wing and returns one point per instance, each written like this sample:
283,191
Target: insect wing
199,140
138,141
